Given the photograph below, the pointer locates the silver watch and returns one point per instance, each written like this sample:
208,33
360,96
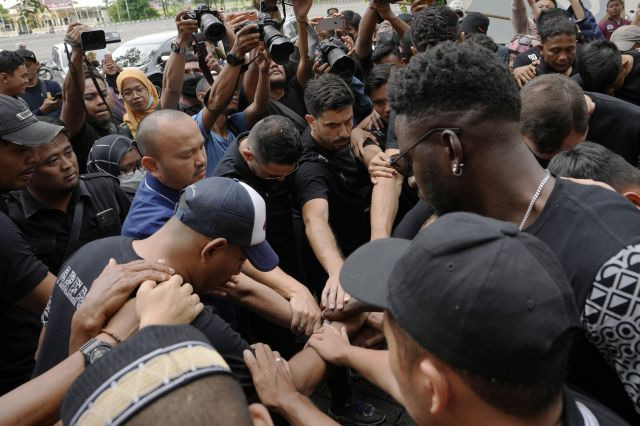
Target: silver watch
175,48
93,350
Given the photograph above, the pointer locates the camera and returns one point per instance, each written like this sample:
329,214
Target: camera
97,39
333,51
279,46
208,21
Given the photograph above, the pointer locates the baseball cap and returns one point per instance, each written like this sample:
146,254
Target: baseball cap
143,368
473,291
27,54
626,37
474,22
226,208
20,126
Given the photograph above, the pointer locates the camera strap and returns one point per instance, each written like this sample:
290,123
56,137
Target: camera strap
90,69
200,49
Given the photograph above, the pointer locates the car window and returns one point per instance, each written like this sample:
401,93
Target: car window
134,55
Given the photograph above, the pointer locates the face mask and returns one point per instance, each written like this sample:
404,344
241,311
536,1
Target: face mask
132,182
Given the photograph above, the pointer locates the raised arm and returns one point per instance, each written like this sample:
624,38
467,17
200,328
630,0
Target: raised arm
365,31
254,112
301,10
174,69
578,9
519,20
73,114
399,26
224,86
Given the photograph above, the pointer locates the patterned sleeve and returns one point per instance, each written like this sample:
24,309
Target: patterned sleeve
611,317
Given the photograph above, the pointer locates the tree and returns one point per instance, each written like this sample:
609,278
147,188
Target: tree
137,9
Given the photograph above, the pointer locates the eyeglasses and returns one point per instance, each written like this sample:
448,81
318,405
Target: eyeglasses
132,170
403,165
283,176
140,91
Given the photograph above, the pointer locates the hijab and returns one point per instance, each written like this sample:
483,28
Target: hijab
133,118
106,153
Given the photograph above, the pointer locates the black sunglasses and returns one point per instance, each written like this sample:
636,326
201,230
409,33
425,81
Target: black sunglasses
403,165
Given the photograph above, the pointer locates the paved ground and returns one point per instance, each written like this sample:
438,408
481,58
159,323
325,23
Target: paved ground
396,414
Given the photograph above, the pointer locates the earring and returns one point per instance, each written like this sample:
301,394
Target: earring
457,170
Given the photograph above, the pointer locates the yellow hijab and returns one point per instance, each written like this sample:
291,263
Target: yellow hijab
133,118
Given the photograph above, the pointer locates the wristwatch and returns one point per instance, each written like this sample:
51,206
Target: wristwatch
93,350
175,48
233,60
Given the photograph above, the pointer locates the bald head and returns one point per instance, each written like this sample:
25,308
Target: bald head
173,148
155,127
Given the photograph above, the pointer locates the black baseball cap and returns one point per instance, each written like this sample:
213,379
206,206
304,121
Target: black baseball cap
474,22
20,126
473,291
27,54
220,207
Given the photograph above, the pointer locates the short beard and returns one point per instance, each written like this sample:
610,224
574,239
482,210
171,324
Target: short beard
438,195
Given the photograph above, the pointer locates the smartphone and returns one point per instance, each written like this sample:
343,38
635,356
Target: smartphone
331,24
246,15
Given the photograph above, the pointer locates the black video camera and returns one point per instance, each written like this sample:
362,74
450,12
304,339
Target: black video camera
279,46
97,39
334,52
208,21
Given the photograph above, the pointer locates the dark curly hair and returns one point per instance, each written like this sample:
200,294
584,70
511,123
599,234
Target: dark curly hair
454,77
433,25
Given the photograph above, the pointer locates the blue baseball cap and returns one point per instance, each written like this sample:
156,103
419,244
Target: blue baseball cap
220,207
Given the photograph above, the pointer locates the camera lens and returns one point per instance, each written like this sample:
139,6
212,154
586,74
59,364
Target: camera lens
341,64
280,47
211,27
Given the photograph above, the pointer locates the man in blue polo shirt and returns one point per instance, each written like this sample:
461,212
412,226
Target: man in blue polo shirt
174,158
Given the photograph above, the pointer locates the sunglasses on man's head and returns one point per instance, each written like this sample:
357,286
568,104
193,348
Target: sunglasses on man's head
402,164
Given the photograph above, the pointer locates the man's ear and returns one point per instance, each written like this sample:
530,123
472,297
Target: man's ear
455,149
246,154
414,51
436,385
634,197
212,248
260,415
149,163
311,121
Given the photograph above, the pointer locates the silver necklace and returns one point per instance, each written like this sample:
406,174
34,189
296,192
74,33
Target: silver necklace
534,199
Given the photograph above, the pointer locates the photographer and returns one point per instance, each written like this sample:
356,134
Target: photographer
91,121
287,97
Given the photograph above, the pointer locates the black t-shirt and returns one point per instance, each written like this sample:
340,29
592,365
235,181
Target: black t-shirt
630,90
616,125
84,139
20,273
74,281
293,97
595,233
104,209
392,140
527,57
343,181
279,198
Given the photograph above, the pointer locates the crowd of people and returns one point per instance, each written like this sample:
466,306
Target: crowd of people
455,220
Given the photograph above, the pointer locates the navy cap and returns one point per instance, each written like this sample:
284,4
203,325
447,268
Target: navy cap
220,207
27,54
473,291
